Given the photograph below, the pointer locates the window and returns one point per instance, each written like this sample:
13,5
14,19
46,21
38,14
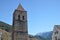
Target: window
55,38
18,17
23,17
56,32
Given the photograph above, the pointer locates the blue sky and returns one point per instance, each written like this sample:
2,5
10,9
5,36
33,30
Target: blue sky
42,14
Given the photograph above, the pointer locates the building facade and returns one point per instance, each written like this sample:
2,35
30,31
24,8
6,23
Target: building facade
56,33
20,31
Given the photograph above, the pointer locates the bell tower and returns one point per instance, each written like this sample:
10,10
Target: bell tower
20,31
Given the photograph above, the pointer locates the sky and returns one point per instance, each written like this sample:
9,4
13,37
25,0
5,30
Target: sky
42,14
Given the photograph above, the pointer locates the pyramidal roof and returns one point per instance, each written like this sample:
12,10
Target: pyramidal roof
20,8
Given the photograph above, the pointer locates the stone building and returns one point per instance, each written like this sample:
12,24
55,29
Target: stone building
20,31
56,33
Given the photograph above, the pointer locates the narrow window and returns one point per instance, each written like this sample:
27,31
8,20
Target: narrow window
18,17
23,17
55,38
57,32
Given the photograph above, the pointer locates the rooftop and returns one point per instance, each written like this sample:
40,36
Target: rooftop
20,8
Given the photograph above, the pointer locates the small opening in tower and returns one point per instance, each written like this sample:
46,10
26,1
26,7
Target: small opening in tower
18,17
23,17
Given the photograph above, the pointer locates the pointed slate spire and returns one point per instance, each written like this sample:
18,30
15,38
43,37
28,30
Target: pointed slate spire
20,8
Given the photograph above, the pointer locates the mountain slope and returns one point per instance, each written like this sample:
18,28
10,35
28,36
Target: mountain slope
45,35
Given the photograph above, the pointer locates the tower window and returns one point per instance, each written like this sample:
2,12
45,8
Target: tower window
23,17
56,32
18,17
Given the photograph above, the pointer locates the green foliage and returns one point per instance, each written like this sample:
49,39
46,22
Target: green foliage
5,26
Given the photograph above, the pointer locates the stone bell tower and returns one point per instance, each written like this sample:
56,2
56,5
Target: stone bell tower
20,31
